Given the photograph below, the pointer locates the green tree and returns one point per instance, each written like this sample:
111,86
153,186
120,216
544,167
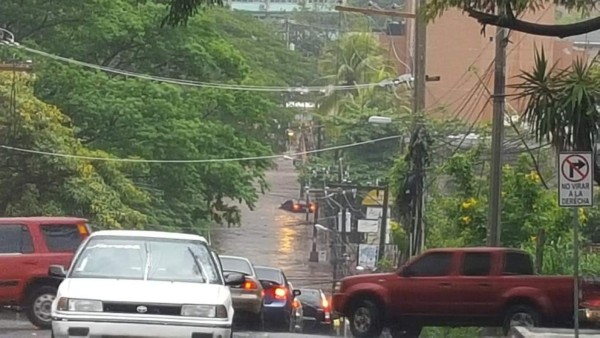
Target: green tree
562,105
485,13
137,118
34,184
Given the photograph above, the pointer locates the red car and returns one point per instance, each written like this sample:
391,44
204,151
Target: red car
458,287
28,247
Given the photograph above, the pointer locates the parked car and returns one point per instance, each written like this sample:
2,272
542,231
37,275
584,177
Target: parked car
279,310
247,297
457,287
128,283
298,206
316,311
28,247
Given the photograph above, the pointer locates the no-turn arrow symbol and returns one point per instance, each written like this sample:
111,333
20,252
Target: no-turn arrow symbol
577,165
575,168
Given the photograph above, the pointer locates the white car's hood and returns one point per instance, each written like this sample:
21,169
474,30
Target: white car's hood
159,292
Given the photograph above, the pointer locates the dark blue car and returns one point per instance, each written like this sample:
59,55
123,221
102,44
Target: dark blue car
279,309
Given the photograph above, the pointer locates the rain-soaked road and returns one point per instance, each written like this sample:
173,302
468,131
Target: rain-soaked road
273,237
268,236
12,328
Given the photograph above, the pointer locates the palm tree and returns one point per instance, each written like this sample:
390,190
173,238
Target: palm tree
562,106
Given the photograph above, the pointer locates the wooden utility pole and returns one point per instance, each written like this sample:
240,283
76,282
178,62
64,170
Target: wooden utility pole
495,205
420,79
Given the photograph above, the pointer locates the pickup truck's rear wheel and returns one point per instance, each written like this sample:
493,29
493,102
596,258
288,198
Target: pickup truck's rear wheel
365,319
520,315
38,306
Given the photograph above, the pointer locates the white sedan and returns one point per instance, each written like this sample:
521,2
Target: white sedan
143,284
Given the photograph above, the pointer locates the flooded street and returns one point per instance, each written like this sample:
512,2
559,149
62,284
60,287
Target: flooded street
273,237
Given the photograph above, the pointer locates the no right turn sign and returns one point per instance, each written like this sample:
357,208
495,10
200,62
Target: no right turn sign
576,179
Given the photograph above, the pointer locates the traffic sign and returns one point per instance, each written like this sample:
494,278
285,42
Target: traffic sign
575,179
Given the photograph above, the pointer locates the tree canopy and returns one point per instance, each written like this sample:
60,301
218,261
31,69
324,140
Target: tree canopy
116,116
485,12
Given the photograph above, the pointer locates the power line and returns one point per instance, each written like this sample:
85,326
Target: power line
224,86
215,160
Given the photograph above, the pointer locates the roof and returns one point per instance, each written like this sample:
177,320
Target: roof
149,234
42,219
267,268
589,38
235,257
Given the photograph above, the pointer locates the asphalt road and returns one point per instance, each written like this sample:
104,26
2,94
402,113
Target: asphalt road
273,237
268,236
12,328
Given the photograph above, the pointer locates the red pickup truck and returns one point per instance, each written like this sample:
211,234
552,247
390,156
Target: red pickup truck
28,246
491,287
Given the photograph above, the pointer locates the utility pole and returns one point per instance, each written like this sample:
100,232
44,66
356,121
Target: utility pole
494,229
495,205
384,221
418,108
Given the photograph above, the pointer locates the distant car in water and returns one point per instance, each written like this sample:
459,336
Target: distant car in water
317,316
298,206
280,309
247,297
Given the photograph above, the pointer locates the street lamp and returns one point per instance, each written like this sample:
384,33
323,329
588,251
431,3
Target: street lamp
384,214
380,120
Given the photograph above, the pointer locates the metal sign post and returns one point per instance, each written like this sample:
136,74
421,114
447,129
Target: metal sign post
575,190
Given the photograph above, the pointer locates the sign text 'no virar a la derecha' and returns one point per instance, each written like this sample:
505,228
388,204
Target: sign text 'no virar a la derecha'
575,179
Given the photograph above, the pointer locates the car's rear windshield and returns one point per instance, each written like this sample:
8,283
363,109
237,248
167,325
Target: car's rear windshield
272,275
236,265
310,296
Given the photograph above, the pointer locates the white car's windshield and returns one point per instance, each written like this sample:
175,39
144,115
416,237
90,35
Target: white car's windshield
146,258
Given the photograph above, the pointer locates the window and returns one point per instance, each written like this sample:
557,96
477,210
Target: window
147,258
477,264
61,237
15,238
432,265
236,265
517,263
271,275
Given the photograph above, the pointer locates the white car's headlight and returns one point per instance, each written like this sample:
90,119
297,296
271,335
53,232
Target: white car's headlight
79,305
205,311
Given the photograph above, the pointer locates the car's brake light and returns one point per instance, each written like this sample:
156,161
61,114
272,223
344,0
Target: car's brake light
280,293
249,285
325,303
296,304
296,206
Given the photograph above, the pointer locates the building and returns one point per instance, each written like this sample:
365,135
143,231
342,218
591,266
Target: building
280,8
462,57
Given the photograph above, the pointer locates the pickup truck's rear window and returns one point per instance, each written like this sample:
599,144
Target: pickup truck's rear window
517,263
61,237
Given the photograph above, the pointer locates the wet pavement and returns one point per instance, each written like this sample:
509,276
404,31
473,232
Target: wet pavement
274,237
10,327
268,236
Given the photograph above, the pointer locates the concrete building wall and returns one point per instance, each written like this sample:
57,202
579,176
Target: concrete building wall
462,56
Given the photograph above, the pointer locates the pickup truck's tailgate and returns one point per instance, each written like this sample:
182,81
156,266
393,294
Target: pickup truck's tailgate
590,291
